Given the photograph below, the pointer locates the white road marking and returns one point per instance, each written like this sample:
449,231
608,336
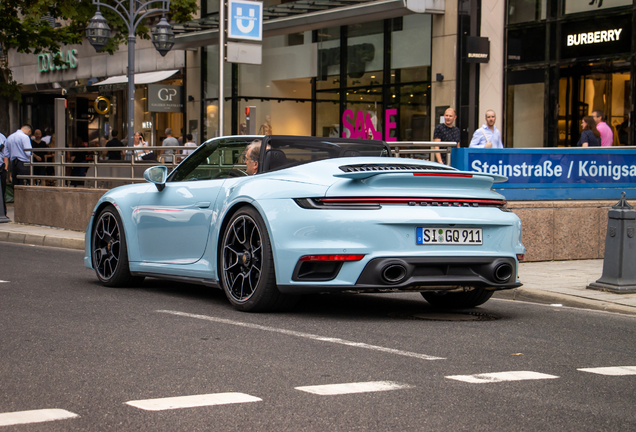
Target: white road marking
193,401
501,376
306,335
360,387
34,416
613,371
1,281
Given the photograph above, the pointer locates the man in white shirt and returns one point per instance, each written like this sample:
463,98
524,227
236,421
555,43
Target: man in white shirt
18,144
487,136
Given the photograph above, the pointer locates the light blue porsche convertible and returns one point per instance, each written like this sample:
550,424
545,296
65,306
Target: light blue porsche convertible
268,218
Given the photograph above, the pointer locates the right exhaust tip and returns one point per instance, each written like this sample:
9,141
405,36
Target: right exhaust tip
503,272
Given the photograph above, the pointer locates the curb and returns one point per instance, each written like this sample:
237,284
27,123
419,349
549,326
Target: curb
42,240
546,297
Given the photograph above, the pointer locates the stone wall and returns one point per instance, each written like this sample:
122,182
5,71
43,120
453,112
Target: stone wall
563,230
69,208
552,230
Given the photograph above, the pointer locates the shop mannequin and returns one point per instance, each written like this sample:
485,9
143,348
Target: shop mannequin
266,128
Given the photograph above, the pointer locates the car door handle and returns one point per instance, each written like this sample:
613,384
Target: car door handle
203,204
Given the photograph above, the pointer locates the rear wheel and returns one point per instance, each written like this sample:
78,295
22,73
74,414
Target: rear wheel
461,300
247,266
109,252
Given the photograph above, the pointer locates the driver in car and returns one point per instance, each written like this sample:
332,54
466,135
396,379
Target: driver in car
252,153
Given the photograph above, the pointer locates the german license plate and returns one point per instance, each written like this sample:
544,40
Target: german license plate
455,236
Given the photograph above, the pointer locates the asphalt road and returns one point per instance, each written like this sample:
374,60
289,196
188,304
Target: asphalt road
67,343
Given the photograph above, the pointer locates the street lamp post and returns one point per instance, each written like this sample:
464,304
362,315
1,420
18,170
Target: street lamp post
98,34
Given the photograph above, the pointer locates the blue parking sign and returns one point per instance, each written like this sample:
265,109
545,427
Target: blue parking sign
245,20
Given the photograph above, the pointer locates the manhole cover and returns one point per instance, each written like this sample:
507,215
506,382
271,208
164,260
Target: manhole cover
448,316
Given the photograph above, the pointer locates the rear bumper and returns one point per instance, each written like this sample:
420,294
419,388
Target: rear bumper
431,274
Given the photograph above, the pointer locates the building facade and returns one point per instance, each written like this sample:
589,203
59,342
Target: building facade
95,88
565,59
364,69
386,69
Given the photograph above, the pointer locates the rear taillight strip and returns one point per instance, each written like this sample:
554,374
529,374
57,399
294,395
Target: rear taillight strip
442,175
413,201
375,203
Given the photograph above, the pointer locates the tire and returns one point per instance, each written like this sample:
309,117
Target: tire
462,300
246,265
109,251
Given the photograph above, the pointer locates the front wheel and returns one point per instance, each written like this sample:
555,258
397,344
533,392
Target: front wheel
109,252
461,300
247,266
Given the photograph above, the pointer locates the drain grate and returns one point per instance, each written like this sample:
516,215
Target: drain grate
448,316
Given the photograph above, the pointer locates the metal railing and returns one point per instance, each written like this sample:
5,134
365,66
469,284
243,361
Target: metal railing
422,149
127,170
107,174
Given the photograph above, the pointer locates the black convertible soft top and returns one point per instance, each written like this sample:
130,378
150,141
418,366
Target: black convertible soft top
283,151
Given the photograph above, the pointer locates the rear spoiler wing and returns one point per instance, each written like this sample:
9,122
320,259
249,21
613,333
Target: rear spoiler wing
424,171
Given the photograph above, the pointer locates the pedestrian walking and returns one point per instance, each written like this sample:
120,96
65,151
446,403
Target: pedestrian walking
4,164
19,146
446,131
78,157
590,137
190,143
169,141
607,135
487,136
47,135
38,156
49,158
114,142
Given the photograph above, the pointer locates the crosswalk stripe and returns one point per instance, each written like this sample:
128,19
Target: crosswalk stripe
613,371
34,416
501,376
192,401
359,387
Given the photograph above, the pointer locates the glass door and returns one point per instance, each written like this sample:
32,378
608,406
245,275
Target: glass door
582,90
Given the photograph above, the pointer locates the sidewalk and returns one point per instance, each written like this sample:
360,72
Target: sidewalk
39,235
553,282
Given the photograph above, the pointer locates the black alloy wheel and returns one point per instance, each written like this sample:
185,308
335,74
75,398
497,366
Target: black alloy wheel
246,264
109,253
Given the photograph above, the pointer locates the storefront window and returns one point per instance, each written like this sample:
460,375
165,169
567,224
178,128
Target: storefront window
583,90
520,11
210,115
279,88
525,114
576,6
526,45
301,87
328,114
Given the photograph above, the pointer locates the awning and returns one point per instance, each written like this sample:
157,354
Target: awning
140,78
304,15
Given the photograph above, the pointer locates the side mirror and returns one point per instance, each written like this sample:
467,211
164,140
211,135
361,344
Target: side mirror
157,175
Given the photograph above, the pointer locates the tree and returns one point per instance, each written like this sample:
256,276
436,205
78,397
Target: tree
24,29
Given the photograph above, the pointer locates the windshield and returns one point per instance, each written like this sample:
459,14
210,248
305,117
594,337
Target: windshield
214,159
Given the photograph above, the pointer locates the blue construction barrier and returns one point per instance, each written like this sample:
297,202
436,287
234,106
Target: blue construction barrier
555,173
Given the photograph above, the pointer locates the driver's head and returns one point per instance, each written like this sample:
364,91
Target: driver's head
252,153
